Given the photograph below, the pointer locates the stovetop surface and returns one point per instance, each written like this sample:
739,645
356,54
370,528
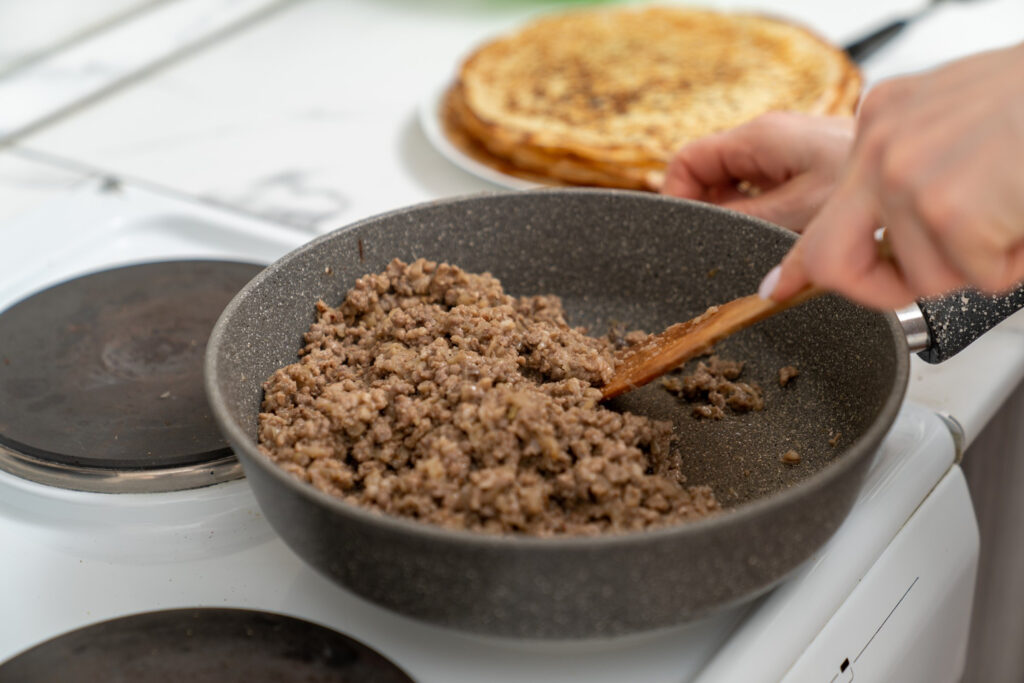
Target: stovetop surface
74,558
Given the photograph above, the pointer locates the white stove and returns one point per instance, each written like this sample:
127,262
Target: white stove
888,598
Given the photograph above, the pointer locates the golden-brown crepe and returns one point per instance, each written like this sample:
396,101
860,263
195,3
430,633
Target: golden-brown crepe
604,97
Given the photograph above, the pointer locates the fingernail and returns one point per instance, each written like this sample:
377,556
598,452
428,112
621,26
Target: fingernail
655,180
770,282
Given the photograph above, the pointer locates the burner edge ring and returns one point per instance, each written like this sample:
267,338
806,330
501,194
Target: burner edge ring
103,480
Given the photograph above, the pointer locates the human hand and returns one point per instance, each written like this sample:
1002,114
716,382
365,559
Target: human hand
794,161
938,159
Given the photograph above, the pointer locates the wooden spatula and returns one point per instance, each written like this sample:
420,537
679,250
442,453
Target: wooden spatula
638,365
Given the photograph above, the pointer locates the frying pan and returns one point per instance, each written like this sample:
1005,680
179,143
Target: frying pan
614,257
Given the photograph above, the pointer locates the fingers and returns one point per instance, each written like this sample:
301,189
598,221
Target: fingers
936,160
766,150
791,204
922,264
1011,267
772,152
700,167
978,225
922,261
952,219
838,251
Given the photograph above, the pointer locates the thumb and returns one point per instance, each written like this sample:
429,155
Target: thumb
787,278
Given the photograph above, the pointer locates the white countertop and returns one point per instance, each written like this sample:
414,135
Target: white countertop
307,116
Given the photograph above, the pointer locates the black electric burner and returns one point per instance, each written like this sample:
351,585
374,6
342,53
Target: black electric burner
202,646
102,376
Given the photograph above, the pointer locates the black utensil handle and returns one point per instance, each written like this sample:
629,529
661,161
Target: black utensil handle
861,49
957,319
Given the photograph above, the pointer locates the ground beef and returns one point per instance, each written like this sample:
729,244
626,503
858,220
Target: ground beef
621,338
429,393
790,457
714,387
787,374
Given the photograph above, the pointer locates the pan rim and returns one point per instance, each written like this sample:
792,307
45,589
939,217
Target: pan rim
250,454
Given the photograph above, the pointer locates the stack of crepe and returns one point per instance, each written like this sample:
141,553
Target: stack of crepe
604,97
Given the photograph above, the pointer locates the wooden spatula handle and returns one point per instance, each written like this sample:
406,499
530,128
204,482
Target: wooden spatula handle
683,341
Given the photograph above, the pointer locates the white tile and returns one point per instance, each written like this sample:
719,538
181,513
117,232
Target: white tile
60,82
28,29
26,185
310,117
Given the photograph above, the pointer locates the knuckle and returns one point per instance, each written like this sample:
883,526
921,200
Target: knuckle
931,281
992,281
984,263
899,173
675,164
1016,266
995,233
872,143
870,107
877,102
940,210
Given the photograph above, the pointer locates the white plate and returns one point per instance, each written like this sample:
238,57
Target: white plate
430,121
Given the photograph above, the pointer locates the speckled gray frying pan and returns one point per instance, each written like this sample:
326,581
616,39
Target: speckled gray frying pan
612,256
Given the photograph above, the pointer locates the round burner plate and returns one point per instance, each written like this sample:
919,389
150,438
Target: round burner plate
104,372
200,646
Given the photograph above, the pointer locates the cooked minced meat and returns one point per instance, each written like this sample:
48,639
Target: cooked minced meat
715,387
787,374
429,393
620,338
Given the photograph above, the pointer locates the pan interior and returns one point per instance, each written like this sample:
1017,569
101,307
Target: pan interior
612,256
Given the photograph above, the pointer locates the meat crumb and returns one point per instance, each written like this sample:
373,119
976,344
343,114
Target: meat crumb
787,374
673,384
708,411
790,457
834,441
429,393
620,338
715,382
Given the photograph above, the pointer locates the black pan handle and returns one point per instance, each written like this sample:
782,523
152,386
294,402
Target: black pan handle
861,49
955,320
